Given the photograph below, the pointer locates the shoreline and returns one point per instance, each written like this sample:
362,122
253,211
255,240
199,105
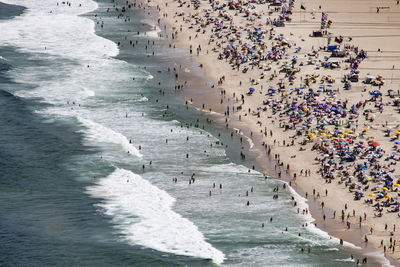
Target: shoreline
266,164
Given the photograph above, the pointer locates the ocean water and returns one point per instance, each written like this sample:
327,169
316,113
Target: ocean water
80,118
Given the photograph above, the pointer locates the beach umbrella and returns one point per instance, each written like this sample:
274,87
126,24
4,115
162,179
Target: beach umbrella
375,144
372,195
385,188
388,196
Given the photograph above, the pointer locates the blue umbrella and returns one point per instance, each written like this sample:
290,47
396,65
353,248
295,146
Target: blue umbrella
375,93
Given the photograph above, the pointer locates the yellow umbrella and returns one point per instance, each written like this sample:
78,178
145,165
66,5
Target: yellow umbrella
397,185
369,179
372,195
385,188
366,128
388,196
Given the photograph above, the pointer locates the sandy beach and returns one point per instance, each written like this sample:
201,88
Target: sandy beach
337,145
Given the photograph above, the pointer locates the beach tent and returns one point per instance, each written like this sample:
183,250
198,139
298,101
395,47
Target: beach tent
353,77
332,48
317,33
368,79
375,93
338,53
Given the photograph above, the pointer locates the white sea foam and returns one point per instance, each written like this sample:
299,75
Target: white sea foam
229,168
56,36
38,29
88,92
98,133
143,99
302,204
143,214
346,260
249,140
332,249
206,110
377,254
153,34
